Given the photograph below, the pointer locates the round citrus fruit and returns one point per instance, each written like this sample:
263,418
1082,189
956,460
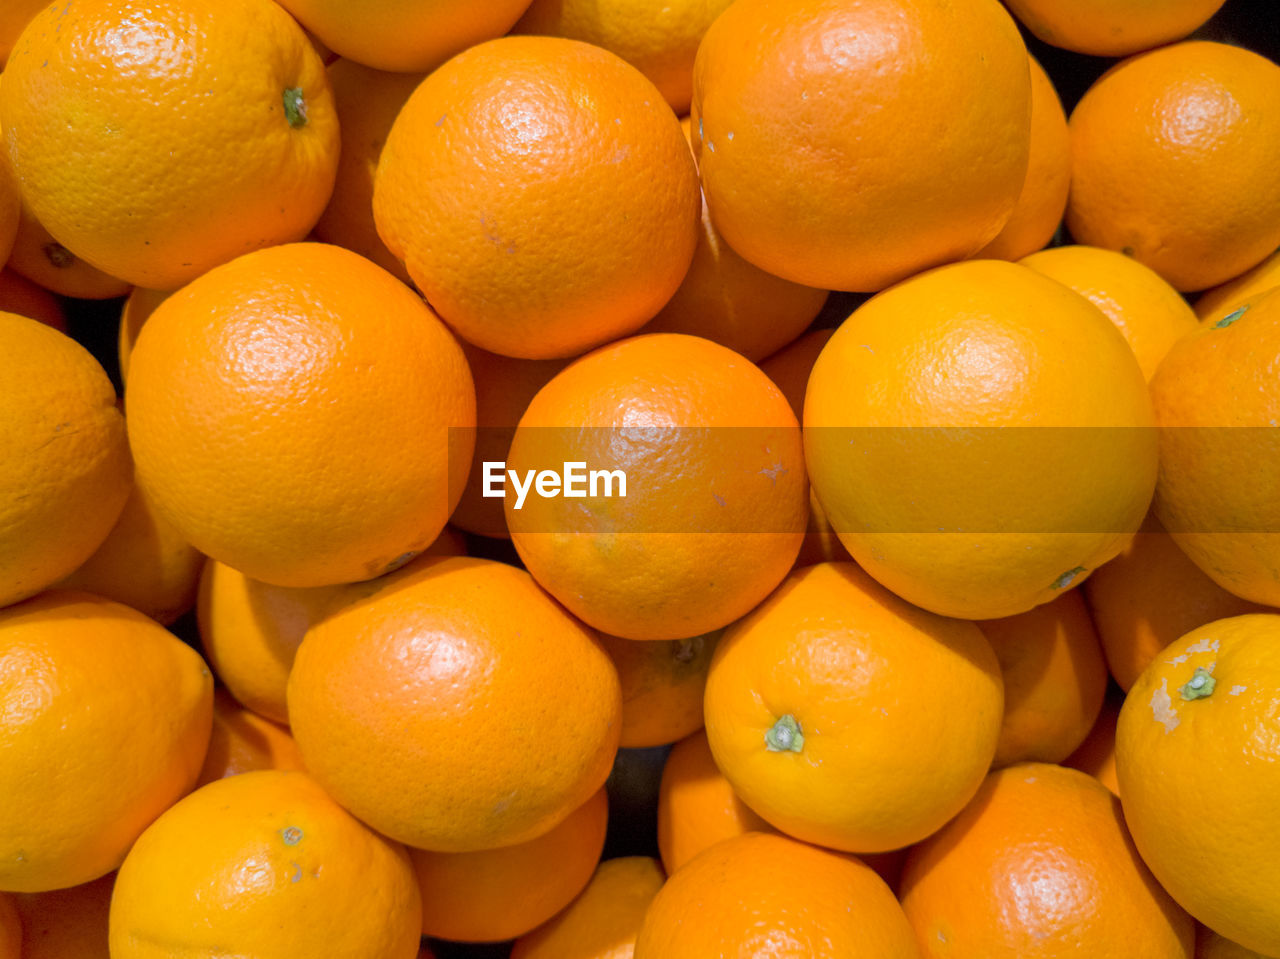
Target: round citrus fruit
980,438
19,295
1112,28
243,742
1097,754
1210,945
541,194
848,145
66,923
38,257
1173,158
662,686
1223,300
286,365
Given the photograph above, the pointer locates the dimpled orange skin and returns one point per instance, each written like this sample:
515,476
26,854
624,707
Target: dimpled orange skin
137,309
1198,776
1112,28
1097,754
1173,157
693,425
541,195
602,923
404,35
266,865
1216,492
898,711
987,522
662,685
1054,679
849,145
243,742
497,894
1038,866
107,719
181,107
43,260
13,17
1216,303
64,466
1150,313
457,707
1210,945
239,441
761,896
66,923
1043,199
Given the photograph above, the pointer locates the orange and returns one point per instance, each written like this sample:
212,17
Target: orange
774,898
267,865
715,498
1210,945
367,102
726,299
1172,162
697,806
1038,866
40,258
1043,198
1216,492
660,40
142,563
10,929
1112,28
66,923
251,630
214,136
404,35
849,145
1097,754
1223,300
496,894
13,17
107,719
1196,756
504,387
1054,679
602,923
979,437
849,718
456,707
138,307
10,208
541,195
1150,313
243,742
662,684
64,459
1150,595
19,295
232,416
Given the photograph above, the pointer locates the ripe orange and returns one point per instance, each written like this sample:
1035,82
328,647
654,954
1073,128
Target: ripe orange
456,707
1097,754
243,742
1217,406
137,309
1150,595
1223,300
10,207
774,898
659,40
1210,945
404,35
1054,679
1173,162
602,923
846,717
1112,28
1038,866
232,416
64,459
38,257
541,195
1043,198
264,864
497,894
107,719
19,295
715,499
662,685
174,188
143,563
1150,313
14,15
697,806
847,146
1199,766
980,439
66,923
367,102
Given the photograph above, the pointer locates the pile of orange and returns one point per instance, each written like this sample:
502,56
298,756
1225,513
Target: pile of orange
600,479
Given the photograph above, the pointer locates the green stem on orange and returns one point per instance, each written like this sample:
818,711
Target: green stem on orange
1200,685
295,107
784,736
